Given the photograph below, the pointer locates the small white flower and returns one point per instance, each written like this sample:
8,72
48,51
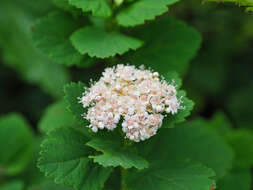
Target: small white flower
117,87
155,74
100,125
159,108
94,129
138,96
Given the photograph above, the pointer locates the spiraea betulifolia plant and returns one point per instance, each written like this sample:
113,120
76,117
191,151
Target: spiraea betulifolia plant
120,116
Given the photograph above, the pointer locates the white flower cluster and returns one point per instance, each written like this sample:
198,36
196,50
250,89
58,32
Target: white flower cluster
135,97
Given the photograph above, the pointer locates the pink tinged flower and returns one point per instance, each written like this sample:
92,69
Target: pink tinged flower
137,96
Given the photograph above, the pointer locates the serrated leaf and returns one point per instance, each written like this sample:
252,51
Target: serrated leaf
99,8
143,10
171,50
173,78
64,158
73,92
242,143
95,41
14,185
236,180
16,139
170,175
190,141
115,155
51,35
56,116
181,115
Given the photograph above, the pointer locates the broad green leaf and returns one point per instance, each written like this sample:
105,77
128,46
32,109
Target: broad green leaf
236,180
221,124
14,185
49,186
143,10
73,92
190,141
95,41
16,140
242,143
218,123
171,50
114,154
181,115
64,158
51,35
99,8
56,116
170,175
19,53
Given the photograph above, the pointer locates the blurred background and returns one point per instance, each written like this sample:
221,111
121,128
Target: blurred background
219,79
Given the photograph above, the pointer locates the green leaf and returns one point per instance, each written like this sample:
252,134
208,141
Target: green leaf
98,7
218,123
95,41
242,143
64,158
51,35
181,115
56,116
221,123
73,92
170,175
249,9
143,10
115,155
171,50
64,5
16,140
236,180
14,185
173,78
49,186
190,141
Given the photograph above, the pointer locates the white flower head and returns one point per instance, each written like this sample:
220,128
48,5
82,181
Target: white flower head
136,97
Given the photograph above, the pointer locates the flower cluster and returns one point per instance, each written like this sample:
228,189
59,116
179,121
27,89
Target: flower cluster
136,97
